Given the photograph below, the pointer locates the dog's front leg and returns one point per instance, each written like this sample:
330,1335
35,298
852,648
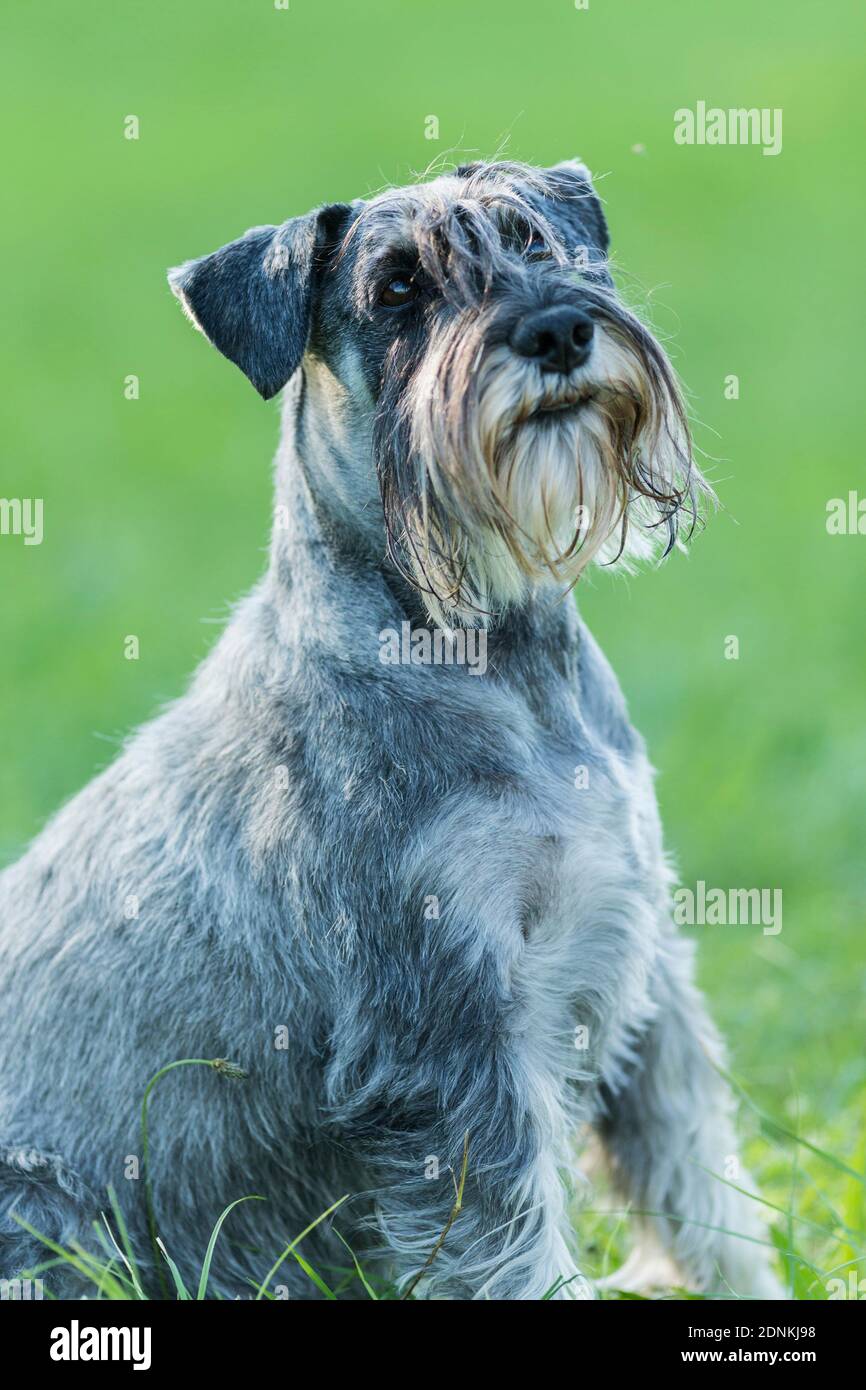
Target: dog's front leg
669,1136
499,1233
427,1080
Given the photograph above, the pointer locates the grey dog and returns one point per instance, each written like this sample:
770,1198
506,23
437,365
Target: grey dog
413,903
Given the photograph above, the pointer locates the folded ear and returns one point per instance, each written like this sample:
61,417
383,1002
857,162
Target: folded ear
252,298
572,183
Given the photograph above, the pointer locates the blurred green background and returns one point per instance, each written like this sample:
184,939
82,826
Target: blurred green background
157,510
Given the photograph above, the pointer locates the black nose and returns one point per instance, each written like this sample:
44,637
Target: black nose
559,339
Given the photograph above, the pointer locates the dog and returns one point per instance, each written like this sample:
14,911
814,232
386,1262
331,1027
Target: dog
424,908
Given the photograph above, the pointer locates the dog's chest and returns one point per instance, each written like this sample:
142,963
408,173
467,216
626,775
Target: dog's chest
558,838
551,878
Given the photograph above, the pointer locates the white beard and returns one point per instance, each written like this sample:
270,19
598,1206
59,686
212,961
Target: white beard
538,497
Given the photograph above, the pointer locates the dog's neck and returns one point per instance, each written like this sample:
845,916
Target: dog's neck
328,550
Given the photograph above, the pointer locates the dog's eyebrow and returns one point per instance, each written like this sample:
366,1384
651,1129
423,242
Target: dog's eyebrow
391,232
458,232
401,252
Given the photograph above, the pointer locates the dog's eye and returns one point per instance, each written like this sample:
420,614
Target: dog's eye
537,249
401,290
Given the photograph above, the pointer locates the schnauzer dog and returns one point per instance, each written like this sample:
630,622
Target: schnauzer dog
411,904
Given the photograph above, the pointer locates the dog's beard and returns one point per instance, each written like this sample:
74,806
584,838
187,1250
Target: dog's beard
513,477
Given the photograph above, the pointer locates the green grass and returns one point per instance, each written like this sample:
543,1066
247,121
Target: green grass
818,1233
157,510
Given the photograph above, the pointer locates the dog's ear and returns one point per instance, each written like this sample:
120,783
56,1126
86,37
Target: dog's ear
252,298
571,183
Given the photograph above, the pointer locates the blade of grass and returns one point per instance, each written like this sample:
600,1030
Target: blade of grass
115,1257
558,1284
705,1226
773,1206
81,1261
452,1217
126,1253
790,1233
290,1249
254,1284
110,1270
183,1295
361,1274
316,1278
777,1128
205,1269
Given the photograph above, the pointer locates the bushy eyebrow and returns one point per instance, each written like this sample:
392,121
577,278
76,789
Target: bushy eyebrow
402,253
461,238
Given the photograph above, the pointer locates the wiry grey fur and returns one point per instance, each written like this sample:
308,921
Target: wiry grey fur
292,826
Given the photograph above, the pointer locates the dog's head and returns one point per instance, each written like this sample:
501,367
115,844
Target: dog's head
464,333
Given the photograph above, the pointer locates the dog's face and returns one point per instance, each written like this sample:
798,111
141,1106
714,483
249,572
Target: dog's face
517,419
